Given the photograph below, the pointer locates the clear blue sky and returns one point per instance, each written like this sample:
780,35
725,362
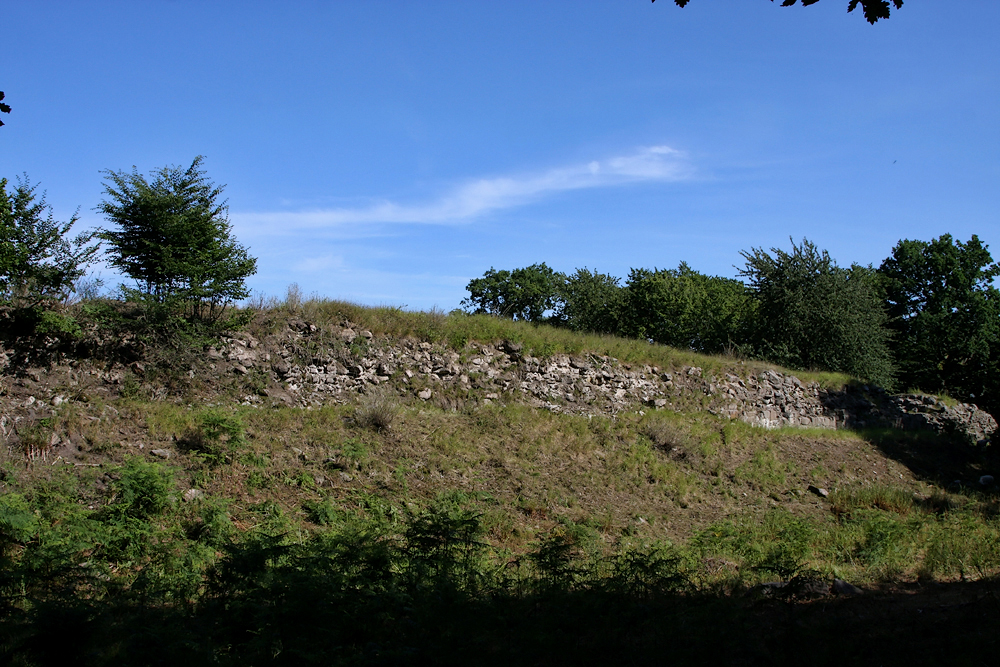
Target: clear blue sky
387,152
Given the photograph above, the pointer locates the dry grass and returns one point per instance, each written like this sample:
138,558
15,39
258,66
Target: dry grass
377,409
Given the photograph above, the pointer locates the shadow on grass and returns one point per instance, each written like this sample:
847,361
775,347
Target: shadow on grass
941,459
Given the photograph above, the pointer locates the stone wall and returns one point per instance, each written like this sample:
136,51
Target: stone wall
352,361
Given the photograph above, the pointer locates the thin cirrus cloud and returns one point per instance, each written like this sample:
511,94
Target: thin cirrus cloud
479,197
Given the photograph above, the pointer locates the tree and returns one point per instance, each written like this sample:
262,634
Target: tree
686,309
589,301
522,294
945,311
4,108
174,239
872,9
812,313
39,264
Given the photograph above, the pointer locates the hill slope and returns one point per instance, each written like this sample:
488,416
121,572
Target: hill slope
476,456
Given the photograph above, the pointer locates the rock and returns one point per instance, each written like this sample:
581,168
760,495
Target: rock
768,589
240,369
841,587
193,494
986,480
823,493
798,587
367,334
424,394
808,587
512,348
162,453
659,402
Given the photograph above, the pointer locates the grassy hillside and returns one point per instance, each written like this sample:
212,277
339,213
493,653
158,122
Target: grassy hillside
161,517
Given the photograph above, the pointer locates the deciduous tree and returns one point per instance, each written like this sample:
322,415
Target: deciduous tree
522,294
4,108
812,313
945,311
590,301
686,309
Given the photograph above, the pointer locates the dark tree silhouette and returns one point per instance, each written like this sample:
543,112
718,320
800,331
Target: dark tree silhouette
4,108
873,9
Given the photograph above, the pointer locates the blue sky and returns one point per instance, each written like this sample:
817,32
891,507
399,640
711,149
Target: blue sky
387,152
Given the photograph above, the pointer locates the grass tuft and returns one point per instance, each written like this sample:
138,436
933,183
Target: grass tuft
377,410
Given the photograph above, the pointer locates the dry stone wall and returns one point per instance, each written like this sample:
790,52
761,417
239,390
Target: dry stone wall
353,360
305,366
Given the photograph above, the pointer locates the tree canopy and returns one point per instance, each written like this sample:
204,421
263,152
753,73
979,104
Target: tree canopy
927,319
872,9
815,314
522,294
686,309
174,240
590,301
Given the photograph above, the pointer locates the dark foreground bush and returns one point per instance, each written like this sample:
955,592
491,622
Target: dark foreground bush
432,592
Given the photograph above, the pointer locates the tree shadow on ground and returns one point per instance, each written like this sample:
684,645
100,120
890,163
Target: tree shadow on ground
305,623
941,459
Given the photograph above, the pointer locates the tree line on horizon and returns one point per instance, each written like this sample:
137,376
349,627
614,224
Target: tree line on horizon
927,318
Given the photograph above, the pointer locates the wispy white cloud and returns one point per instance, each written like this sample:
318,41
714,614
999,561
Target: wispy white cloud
478,197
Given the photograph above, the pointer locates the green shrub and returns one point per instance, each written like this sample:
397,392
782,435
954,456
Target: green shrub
686,309
217,435
51,322
142,489
322,512
213,526
141,492
18,523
